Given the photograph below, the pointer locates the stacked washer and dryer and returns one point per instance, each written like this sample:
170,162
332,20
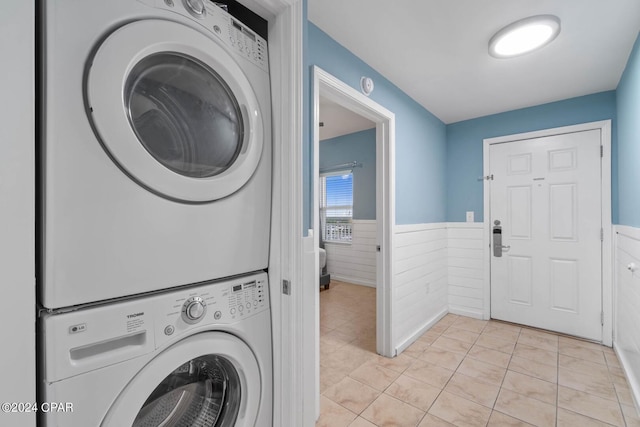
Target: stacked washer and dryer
156,200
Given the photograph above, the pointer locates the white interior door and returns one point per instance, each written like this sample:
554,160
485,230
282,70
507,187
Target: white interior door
546,194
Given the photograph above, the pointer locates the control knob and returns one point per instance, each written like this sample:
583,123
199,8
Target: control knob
195,7
193,310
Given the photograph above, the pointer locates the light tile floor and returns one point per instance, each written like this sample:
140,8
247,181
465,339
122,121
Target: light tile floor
462,372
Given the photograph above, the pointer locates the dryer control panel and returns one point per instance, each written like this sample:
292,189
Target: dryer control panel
239,38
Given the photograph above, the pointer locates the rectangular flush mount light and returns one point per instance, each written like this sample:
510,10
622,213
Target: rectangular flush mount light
524,36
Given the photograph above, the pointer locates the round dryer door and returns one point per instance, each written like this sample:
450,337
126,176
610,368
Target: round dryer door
208,380
175,111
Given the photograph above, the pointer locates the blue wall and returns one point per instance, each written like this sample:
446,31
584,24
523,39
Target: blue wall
360,147
628,104
465,142
420,136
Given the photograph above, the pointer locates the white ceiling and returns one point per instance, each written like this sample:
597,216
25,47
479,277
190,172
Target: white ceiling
436,50
339,121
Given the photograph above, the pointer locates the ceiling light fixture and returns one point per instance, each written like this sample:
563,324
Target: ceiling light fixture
524,36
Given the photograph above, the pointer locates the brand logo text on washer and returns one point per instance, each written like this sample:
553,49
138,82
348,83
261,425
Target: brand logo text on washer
130,316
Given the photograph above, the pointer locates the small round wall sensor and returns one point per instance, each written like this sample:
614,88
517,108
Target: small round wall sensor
366,84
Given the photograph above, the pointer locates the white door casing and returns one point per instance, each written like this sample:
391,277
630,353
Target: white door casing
546,194
339,92
292,406
346,96
605,188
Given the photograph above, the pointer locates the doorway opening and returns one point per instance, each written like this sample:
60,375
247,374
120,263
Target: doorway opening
346,196
333,93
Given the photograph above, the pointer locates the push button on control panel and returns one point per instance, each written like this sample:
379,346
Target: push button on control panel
246,298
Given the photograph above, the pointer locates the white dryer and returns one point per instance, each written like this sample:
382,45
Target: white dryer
156,148
192,357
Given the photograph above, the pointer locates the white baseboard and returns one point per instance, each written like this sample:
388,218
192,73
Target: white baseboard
633,383
354,280
464,311
417,334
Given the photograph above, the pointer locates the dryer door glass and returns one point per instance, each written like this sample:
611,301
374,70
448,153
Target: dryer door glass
184,114
204,392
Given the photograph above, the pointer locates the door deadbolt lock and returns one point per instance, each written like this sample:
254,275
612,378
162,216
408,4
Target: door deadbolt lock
498,247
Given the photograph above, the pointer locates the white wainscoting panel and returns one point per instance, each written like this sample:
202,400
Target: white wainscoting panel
627,303
420,280
465,251
438,268
355,262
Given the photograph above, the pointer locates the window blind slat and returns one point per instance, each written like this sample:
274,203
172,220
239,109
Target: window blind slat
336,207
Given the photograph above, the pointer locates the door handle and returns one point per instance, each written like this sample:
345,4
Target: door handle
498,247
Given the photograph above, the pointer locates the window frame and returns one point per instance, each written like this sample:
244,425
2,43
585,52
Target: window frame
323,207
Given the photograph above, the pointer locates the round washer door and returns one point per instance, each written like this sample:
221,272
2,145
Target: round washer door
211,379
175,111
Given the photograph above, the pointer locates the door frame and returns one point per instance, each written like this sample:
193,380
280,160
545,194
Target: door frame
605,188
344,95
291,396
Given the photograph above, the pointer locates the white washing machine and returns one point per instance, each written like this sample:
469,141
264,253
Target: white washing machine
156,148
191,357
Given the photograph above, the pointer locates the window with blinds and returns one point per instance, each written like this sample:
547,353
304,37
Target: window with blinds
336,207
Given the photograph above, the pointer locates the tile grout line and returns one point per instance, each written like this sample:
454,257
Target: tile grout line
426,412
505,375
466,355
557,382
615,390
441,390
456,370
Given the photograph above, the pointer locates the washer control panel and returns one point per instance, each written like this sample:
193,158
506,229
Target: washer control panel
216,303
246,297
238,38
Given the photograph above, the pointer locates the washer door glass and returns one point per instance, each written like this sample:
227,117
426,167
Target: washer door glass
184,114
190,385
204,392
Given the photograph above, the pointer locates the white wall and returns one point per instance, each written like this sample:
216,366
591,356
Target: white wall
465,249
17,211
355,262
438,269
420,280
627,301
